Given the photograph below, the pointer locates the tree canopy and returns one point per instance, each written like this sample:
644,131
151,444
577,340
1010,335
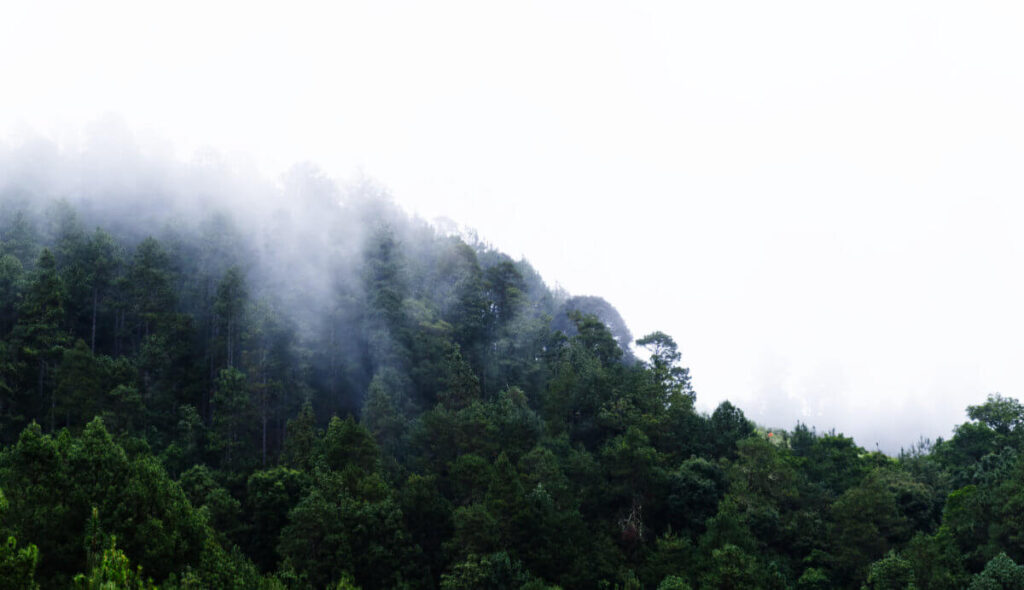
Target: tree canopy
339,396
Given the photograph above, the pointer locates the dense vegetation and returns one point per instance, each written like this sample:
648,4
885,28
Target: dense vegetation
335,395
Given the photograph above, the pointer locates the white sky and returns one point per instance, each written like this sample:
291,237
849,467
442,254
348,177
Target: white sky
819,200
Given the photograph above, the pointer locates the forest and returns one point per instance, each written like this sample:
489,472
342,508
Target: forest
223,385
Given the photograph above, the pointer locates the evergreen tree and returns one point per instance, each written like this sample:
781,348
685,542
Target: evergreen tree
40,335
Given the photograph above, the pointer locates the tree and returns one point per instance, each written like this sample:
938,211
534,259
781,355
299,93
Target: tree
386,411
18,566
673,379
113,571
232,417
494,570
890,573
694,490
53,484
104,259
229,306
462,386
348,444
270,496
386,289
505,291
732,567
340,529
1000,573
876,515
595,337
469,308
268,360
40,332
151,294
81,384
223,510
428,520
1002,414
728,426
11,279
833,461
302,439
21,239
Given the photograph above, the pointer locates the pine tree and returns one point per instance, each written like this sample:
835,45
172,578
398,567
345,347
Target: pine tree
40,333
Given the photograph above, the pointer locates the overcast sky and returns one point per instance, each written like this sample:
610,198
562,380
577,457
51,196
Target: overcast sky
820,201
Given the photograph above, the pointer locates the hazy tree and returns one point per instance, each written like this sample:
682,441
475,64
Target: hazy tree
462,386
21,240
504,285
229,306
10,291
40,332
233,418
150,288
673,379
104,259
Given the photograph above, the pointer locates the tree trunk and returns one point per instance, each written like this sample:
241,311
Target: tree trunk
95,302
230,348
53,394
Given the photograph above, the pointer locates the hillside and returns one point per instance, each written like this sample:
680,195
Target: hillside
231,383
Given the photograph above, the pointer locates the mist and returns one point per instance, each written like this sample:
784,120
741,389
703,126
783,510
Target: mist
541,295
300,239
820,204
303,244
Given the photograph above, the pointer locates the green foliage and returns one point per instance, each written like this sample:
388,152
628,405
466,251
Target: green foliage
386,411
727,427
232,434
349,444
54,483
673,379
18,566
891,573
334,532
1002,414
595,338
833,461
1000,573
874,516
39,337
493,570
732,567
673,557
673,583
428,520
230,306
302,440
113,572
270,496
222,510
462,387
11,285
694,490
150,297
813,579
393,408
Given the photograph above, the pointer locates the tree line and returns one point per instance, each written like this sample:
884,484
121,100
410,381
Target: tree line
182,406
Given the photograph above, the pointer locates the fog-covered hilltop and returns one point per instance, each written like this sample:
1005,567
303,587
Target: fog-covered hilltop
232,382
